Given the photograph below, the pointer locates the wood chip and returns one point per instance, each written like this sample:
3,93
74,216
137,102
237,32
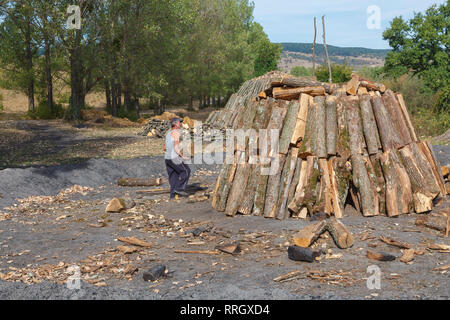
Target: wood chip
135,241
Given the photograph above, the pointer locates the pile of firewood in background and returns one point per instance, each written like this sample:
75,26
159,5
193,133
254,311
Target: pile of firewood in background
158,126
338,144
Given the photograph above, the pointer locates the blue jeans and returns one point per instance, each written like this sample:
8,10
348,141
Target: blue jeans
178,176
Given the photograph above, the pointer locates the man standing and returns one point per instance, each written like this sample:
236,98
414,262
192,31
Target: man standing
178,171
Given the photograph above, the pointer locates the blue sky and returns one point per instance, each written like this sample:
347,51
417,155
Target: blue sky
346,20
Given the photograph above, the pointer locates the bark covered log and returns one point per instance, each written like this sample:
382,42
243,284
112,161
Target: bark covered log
331,125
388,134
398,185
354,124
307,146
273,189
309,234
294,82
286,180
289,126
321,132
340,234
394,109
300,125
424,185
131,182
343,139
340,179
365,185
371,135
294,94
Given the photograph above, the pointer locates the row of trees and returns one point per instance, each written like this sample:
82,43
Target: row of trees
166,51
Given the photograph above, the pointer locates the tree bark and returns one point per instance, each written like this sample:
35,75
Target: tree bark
321,140
354,124
343,139
340,234
294,82
398,186
273,189
388,134
365,185
309,234
370,126
340,180
424,185
396,114
427,150
286,180
294,94
300,125
307,146
405,112
289,126
331,125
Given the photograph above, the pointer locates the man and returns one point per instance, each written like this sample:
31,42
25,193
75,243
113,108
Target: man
178,171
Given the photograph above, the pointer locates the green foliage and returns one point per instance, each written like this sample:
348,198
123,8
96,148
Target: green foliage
372,73
1,102
131,115
340,73
420,46
301,71
42,111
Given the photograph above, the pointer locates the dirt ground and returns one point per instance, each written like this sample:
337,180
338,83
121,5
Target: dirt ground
55,226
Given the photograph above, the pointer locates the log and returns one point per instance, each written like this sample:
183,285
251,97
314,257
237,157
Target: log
246,205
433,221
226,181
237,189
331,125
356,197
423,182
306,193
353,85
380,181
324,203
427,150
300,125
340,234
406,116
362,91
398,185
196,251
365,185
260,193
370,85
294,82
131,182
309,234
273,188
294,94
275,123
300,186
307,146
289,276
155,273
354,124
343,140
286,180
339,179
302,254
394,109
321,140
289,126
294,184
388,134
370,126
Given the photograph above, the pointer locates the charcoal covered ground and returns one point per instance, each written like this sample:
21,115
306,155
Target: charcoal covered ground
42,237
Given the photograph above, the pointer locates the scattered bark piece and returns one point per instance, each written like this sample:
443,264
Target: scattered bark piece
380,256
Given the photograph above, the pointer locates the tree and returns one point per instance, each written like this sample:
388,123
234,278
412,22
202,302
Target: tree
301,71
340,73
421,46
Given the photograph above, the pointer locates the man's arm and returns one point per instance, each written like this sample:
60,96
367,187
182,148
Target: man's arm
176,137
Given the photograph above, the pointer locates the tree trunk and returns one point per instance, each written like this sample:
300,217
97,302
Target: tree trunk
29,66
108,95
76,68
48,73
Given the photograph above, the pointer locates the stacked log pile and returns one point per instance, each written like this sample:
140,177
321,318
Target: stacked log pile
338,144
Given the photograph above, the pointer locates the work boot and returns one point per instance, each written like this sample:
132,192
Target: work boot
181,193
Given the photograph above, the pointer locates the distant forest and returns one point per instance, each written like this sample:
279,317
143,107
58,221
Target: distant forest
335,51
